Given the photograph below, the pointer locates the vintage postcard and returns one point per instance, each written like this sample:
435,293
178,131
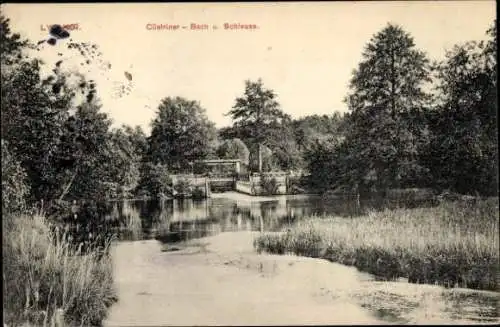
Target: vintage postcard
274,163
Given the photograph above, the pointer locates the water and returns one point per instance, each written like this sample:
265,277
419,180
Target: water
172,221
184,219
179,220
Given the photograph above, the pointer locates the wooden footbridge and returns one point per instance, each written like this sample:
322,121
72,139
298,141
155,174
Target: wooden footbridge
250,184
216,177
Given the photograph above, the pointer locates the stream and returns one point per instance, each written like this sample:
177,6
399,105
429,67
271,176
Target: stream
184,262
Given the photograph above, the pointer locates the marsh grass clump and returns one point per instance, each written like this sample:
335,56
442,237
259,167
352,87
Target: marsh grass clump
452,244
299,242
47,282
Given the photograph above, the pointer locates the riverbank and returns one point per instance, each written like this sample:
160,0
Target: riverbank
453,244
221,280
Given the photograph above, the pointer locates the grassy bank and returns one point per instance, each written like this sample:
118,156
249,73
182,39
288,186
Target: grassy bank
46,283
453,244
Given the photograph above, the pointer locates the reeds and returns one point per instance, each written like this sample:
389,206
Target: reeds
47,282
452,244
132,221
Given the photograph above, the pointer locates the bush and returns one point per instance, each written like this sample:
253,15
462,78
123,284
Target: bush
155,179
14,186
183,186
198,193
269,185
45,280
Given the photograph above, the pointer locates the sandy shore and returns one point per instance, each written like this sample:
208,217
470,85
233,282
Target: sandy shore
220,280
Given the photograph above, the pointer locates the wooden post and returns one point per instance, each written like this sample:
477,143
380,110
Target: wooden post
238,167
207,188
260,160
358,204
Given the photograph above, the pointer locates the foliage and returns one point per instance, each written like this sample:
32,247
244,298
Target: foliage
463,151
14,186
40,125
12,43
154,180
198,193
183,186
311,129
268,160
286,138
54,126
324,161
258,114
387,98
284,147
269,185
138,139
234,149
89,155
126,161
396,135
181,133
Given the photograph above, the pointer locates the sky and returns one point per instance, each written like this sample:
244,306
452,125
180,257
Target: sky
304,51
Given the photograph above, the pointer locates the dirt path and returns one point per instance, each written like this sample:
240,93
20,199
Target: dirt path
221,281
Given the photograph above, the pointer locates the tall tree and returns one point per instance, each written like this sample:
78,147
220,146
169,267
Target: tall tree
386,96
83,156
464,148
181,133
138,138
12,43
125,158
57,137
258,113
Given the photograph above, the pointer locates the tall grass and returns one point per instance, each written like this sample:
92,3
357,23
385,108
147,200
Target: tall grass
452,244
46,282
132,221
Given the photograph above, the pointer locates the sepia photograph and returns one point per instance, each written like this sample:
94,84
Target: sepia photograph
249,163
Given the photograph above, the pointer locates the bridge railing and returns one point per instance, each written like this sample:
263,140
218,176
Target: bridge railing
194,179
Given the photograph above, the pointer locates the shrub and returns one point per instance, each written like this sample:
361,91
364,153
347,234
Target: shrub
14,186
154,179
183,186
269,185
198,193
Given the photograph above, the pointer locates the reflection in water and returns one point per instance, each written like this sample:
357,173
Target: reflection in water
173,221
182,219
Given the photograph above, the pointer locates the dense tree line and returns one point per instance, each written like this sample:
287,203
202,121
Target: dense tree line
411,123
58,141
57,144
